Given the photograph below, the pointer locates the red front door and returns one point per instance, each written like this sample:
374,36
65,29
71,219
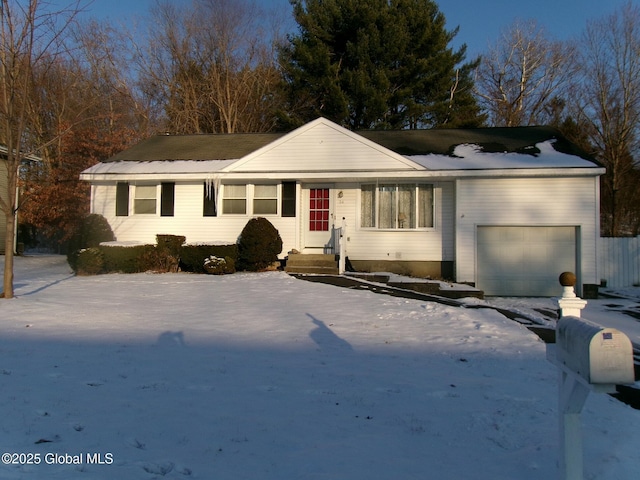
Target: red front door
318,217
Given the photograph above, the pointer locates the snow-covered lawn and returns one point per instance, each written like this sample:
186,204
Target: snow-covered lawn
262,376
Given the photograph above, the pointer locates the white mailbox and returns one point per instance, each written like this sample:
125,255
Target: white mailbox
598,355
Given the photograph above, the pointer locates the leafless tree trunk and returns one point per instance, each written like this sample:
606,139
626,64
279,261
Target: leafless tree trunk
608,94
521,75
31,40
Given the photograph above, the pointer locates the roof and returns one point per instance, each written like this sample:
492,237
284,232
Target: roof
331,148
491,140
474,157
404,142
196,147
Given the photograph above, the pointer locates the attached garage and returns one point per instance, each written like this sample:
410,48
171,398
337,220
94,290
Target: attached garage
524,260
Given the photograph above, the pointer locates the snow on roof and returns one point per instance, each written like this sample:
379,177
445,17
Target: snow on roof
465,157
160,166
471,157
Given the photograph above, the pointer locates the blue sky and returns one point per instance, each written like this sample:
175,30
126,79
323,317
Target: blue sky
480,21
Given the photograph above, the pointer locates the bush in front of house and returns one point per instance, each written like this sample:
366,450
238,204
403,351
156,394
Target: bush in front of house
89,261
170,243
93,230
192,257
259,245
158,259
125,259
219,266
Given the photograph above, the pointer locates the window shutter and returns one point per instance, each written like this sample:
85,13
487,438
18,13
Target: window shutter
122,199
288,199
167,196
209,200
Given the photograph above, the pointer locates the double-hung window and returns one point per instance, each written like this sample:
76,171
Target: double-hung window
395,206
265,199
234,200
259,199
144,201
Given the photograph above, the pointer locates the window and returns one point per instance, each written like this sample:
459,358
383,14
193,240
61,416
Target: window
235,199
144,202
265,199
396,206
319,209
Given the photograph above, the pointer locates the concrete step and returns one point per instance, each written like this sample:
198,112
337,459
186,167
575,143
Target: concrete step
312,263
320,270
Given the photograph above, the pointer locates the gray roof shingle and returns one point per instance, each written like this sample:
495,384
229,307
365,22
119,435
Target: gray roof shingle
403,142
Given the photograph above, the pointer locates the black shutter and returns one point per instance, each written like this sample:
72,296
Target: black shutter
209,200
167,196
122,199
288,199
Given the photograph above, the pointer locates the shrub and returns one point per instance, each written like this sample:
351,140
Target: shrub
89,261
157,259
192,257
219,266
259,245
171,243
93,230
125,259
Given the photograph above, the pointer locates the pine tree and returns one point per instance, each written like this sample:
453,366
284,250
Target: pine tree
376,64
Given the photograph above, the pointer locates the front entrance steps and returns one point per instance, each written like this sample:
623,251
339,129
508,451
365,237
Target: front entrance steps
318,263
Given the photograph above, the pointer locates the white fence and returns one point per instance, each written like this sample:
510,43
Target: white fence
619,261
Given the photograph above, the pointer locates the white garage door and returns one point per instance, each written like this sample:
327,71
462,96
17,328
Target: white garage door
524,261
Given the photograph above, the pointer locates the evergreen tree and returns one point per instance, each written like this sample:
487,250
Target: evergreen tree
376,64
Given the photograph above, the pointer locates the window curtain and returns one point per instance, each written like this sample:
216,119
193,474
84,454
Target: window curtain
425,206
387,206
367,206
406,206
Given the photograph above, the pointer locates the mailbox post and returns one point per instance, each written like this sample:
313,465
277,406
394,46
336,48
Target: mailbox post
589,358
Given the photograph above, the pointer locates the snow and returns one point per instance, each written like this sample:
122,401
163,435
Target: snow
123,243
159,167
465,157
471,157
263,376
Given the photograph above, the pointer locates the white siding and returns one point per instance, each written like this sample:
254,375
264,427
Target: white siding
362,244
322,147
527,202
435,244
187,220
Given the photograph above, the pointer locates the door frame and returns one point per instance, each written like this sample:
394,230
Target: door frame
316,242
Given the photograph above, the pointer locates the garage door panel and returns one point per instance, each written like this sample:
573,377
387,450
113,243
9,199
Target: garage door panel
509,260
523,261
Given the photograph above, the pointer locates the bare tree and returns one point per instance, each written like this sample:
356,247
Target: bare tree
106,57
521,75
211,66
85,111
31,41
608,104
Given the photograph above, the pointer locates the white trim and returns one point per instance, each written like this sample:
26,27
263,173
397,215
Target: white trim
356,176
329,124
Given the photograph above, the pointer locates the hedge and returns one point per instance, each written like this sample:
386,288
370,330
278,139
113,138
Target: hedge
192,257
